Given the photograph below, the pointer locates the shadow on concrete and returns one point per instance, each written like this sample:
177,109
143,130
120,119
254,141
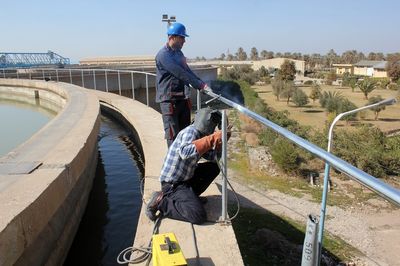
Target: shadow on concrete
200,261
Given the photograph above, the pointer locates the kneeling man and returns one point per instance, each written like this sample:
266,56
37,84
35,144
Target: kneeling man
183,179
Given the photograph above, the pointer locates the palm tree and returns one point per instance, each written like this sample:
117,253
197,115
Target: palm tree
367,86
331,101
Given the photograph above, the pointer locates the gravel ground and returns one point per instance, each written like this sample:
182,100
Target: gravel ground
374,231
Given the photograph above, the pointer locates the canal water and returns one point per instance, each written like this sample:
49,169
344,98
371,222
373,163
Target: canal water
110,220
19,121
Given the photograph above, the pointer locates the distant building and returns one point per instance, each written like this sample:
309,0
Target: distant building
274,63
119,60
343,68
371,68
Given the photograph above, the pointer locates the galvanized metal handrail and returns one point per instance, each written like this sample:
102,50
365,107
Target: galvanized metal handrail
360,176
44,73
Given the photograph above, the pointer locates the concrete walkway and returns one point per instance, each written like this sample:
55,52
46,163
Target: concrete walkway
216,244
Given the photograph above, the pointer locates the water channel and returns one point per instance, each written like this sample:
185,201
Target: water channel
110,220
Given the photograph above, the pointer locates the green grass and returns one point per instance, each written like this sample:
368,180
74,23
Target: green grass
257,250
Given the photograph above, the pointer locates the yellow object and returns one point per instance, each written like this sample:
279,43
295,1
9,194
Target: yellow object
166,250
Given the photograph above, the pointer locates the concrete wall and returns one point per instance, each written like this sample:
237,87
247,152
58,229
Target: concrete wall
45,182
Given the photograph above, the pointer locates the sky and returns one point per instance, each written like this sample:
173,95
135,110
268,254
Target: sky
80,29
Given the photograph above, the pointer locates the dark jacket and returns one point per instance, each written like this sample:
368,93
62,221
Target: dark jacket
173,74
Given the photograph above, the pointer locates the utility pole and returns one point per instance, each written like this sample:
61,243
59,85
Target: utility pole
168,19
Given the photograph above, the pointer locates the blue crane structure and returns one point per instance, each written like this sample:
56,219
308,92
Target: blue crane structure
8,60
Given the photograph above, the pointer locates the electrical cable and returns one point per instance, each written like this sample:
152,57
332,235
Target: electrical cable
233,190
126,254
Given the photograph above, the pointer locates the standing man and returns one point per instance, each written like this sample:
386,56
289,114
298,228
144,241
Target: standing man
173,74
183,179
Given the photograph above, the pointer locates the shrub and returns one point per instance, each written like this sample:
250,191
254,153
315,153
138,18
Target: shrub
393,86
285,155
299,97
308,82
363,148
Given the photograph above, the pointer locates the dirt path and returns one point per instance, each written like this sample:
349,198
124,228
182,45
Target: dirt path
375,233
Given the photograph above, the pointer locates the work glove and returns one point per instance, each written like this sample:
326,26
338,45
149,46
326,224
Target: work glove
218,146
204,86
206,143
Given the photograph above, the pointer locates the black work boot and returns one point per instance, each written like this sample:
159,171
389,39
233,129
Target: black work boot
152,205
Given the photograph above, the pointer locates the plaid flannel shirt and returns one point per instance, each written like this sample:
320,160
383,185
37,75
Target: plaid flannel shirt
182,157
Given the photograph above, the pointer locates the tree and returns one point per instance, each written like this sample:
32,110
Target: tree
254,54
367,86
263,72
331,58
346,105
350,57
331,78
229,57
241,54
288,91
315,92
288,70
376,109
393,66
278,86
331,101
222,56
299,97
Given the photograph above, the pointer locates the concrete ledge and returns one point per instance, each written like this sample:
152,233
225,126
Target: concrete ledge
41,206
216,243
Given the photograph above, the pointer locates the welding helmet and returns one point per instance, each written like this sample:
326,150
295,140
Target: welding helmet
206,119
177,29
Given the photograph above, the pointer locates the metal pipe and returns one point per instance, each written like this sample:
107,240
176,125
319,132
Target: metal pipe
83,81
57,74
119,83
327,168
198,100
70,76
105,73
147,90
224,188
133,86
94,79
367,180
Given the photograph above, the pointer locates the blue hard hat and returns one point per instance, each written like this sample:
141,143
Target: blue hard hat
177,29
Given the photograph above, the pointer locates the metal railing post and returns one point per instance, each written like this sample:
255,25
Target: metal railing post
147,90
133,86
17,74
224,189
43,73
119,83
94,79
198,100
70,76
57,74
83,81
105,73
4,73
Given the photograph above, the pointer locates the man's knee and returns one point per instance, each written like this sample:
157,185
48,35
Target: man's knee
198,216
